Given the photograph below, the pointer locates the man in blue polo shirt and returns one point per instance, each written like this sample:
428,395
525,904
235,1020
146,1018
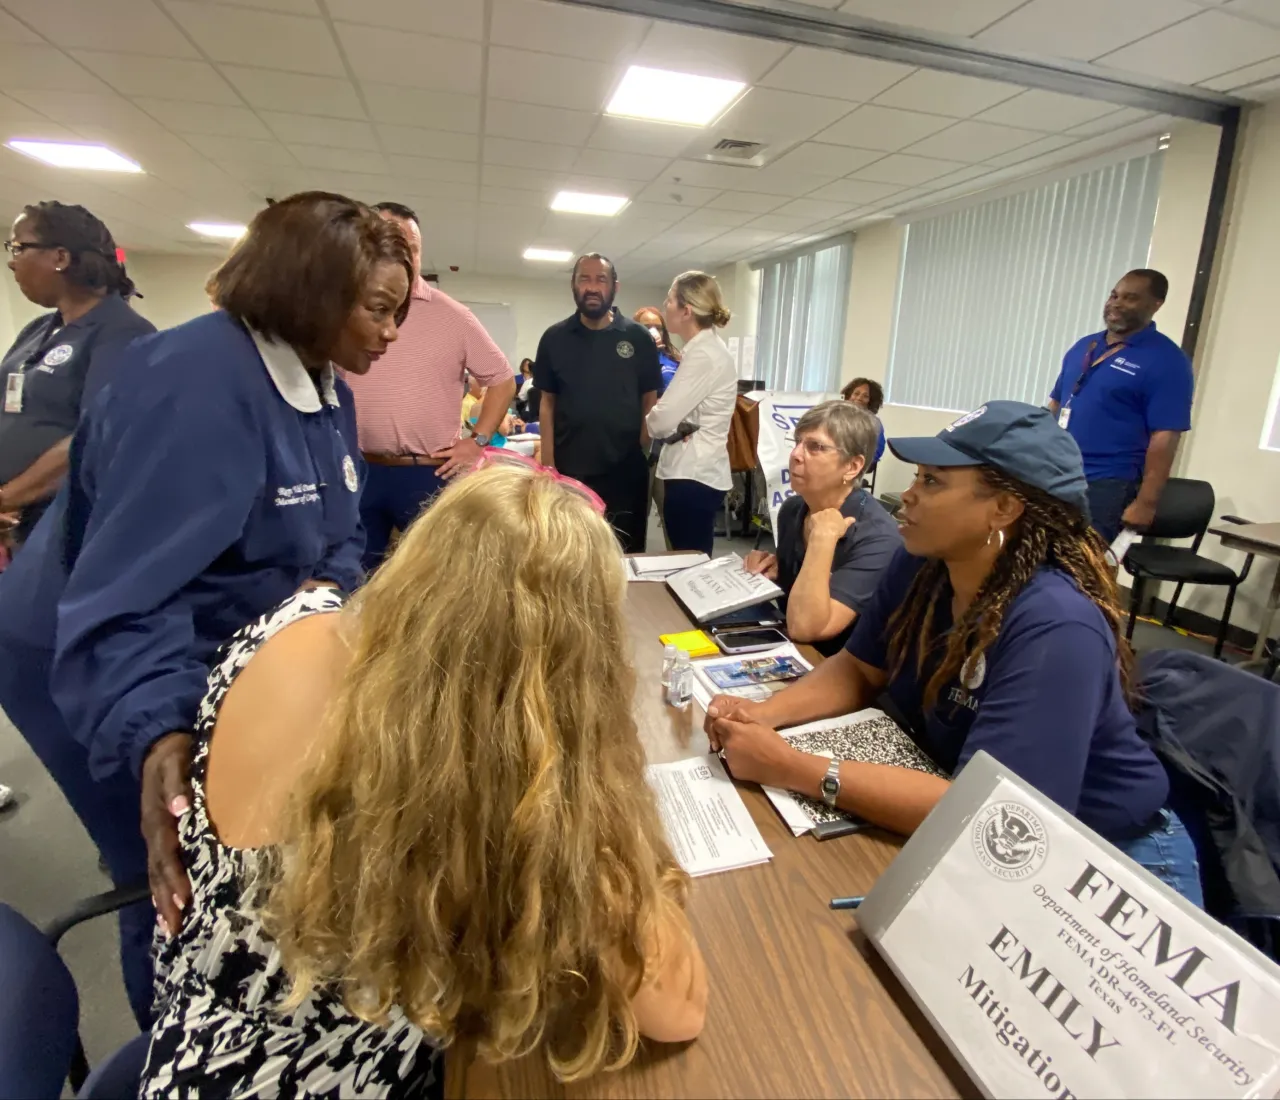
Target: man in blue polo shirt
1125,395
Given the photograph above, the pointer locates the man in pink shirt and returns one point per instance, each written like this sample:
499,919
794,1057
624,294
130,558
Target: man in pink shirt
409,407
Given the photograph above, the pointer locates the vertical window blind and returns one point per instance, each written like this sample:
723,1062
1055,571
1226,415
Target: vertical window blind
991,296
804,299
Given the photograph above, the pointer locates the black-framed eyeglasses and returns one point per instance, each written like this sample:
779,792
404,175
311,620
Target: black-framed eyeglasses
17,248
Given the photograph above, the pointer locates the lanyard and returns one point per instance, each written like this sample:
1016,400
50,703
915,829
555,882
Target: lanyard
1091,364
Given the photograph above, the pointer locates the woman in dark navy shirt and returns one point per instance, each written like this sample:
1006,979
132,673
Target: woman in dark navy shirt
64,259
215,474
997,627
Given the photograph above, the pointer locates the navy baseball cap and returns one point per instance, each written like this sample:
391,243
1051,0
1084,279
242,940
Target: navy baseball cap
1015,438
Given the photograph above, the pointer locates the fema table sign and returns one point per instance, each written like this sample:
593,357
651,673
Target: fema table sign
1054,966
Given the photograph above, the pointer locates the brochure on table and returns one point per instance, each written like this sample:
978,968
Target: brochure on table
658,567
720,586
704,674
1055,966
708,825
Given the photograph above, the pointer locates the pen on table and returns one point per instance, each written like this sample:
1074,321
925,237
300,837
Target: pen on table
846,903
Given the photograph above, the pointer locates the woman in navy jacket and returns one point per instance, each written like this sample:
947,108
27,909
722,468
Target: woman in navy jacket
215,474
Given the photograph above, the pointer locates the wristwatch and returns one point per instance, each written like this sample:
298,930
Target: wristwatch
830,785
482,438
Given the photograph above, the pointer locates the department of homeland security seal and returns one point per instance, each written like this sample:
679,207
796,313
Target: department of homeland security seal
55,357
1009,840
625,350
349,473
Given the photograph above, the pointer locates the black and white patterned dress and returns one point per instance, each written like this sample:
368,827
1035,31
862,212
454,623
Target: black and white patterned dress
219,1030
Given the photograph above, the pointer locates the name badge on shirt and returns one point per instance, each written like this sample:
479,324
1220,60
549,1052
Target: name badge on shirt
1064,416
13,392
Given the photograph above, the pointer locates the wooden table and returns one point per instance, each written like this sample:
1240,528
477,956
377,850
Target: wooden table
800,1003
1263,539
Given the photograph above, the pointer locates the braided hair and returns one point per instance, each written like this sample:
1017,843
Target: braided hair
94,264
1049,533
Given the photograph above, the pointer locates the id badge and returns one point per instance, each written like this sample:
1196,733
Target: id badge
1064,417
13,392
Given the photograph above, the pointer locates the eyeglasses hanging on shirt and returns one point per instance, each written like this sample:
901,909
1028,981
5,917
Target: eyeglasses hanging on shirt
1090,365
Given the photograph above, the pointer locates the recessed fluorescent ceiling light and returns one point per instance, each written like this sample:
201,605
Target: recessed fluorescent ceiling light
550,255
222,230
577,202
672,97
62,155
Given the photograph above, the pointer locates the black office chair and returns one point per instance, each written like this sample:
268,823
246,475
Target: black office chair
1184,512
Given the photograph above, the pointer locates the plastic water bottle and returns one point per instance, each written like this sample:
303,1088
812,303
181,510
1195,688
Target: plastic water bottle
669,652
680,690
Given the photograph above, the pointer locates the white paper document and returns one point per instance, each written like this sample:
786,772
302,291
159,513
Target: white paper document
1118,549
707,823
720,586
658,567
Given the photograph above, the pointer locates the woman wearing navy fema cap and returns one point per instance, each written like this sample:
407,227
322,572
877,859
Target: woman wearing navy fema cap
63,259
996,627
215,474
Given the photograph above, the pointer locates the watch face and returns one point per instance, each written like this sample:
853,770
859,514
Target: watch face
830,786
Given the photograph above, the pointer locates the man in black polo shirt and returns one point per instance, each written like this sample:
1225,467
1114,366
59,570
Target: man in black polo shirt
599,376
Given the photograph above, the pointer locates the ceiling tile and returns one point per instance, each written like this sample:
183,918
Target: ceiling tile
1085,29
339,158
28,66
834,74
701,173
1265,10
1204,46
813,209
548,80
298,93
946,93
712,216
415,107
411,60
1040,110
529,154
679,194
504,118
774,117
745,202
708,53
570,31
19,120
882,128
205,118
652,212
163,77
1035,149
13,31
972,141
523,179
428,168
289,7
1242,78
629,135
634,166
1104,124
775,180
512,197
946,16
448,18
855,191
245,150
309,130
818,159
268,39
904,169
440,144
130,26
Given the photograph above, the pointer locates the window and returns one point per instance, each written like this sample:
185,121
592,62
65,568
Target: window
800,333
991,296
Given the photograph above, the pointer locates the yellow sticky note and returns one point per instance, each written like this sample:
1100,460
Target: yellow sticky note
693,642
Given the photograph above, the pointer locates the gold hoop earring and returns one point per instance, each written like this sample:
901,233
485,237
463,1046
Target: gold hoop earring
996,531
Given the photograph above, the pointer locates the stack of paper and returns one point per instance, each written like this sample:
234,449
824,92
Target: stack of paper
708,825
658,567
734,676
720,586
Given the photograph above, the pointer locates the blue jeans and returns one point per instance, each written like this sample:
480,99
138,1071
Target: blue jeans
392,498
1168,853
1108,498
689,514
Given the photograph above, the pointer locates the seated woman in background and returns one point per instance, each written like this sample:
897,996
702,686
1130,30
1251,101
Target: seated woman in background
396,843
868,395
668,356
833,540
997,628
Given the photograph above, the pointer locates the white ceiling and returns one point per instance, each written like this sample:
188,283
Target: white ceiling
476,111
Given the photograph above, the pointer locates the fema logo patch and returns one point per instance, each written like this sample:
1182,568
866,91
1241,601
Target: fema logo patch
349,473
1009,841
974,672
968,418
625,350
55,357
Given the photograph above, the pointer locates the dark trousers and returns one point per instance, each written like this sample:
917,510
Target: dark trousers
1108,498
689,514
110,810
625,492
392,498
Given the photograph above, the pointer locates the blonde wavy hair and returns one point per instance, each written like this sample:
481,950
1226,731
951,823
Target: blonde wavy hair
475,842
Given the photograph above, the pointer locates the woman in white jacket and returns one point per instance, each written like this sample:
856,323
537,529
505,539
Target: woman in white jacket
692,416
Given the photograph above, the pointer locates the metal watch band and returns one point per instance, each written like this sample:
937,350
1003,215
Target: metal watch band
830,785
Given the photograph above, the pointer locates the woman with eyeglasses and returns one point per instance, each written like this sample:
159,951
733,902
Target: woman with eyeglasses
997,627
63,259
392,856
833,539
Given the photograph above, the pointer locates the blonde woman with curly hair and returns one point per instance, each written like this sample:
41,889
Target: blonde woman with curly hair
692,415
423,818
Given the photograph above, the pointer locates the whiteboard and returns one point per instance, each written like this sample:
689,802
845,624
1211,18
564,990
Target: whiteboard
499,321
